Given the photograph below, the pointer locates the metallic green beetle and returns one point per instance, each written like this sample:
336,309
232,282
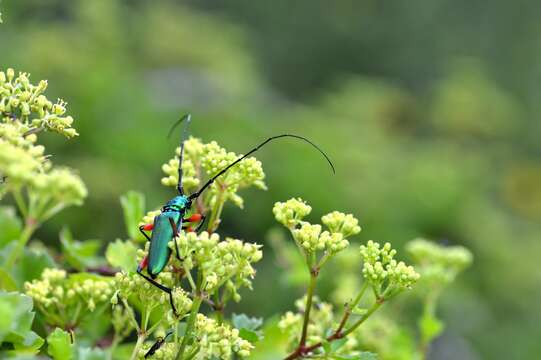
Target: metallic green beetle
171,220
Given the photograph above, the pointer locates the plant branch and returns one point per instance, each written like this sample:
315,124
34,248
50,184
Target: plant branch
30,227
338,334
189,325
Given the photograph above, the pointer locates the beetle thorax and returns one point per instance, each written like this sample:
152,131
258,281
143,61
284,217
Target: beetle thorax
178,203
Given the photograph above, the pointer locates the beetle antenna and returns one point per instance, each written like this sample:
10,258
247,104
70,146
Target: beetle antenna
188,118
224,170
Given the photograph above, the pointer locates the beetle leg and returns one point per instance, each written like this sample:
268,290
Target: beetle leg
162,288
196,218
203,218
193,218
175,234
142,229
143,264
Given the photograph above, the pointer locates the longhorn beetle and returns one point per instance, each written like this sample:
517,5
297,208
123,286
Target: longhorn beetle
168,223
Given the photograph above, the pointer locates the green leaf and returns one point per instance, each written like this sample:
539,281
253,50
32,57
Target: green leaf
79,255
31,265
17,326
248,335
430,327
133,206
123,351
122,254
337,344
59,345
247,327
331,347
326,346
79,278
85,353
273,345
244,321
6,319
10,224
7,282
366,355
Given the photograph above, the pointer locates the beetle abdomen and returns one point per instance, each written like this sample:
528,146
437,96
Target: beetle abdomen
159,252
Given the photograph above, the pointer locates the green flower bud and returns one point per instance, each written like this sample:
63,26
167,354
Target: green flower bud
291,212
439,264
382,271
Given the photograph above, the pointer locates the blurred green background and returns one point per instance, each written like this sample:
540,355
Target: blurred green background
429,109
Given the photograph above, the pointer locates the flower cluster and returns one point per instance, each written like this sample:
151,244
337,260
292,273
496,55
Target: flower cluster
17,164
219,340
341,223
57,295
214,341
24,112
227,262
49,290
19,99
137,288
61,185
321,320
168,351
437,263
208,159
311,238
291,212
383,272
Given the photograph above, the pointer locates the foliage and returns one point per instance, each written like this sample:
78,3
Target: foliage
208,271
136,306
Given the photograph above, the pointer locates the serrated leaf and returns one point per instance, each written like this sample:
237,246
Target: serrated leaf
78,278
10,224
273,345
326,346
6,319
19,330
85,353
122,254
31,265
244,321
79,255
59,345
7,282
248,335
133,206
430,327
337,344
123,351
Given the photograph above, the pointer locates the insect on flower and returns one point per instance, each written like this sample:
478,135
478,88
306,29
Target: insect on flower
171,220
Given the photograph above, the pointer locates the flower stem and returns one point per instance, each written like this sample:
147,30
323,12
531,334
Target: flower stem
338,334
29,229
216,212
350,307
370,311
140,340
20,203
308,307
190,325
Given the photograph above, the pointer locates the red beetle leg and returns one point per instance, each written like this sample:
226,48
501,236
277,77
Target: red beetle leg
148,227
143,264
194,218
